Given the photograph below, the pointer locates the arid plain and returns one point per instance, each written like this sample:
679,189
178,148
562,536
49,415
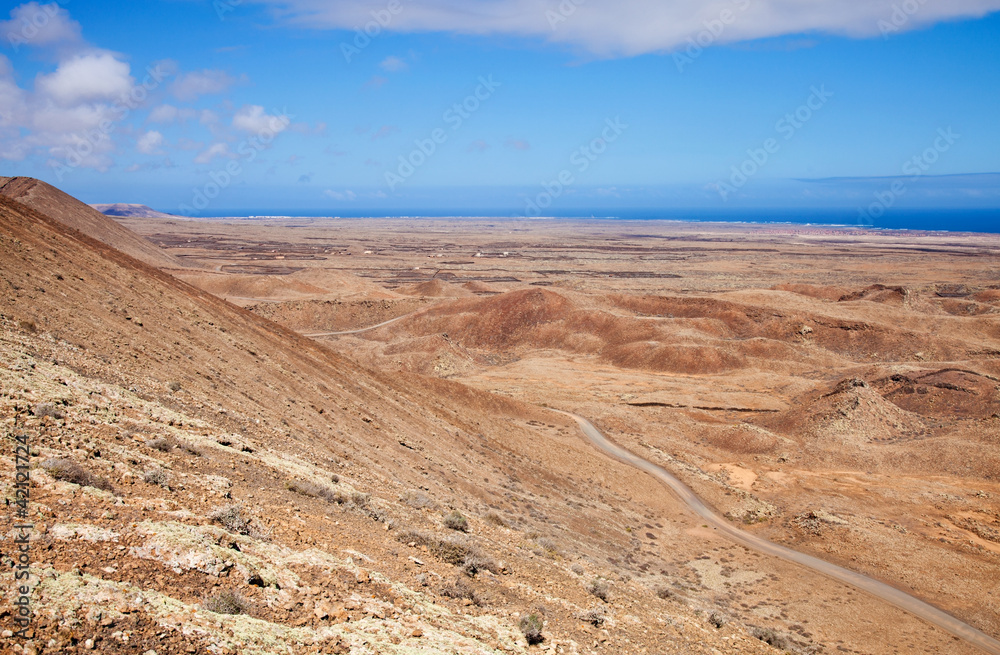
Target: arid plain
835,390
297,430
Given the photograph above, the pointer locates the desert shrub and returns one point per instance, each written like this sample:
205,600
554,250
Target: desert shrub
598,588
47,409
231,518
595,616
160,444
307,488
718,619
576,568
359,499
418,500
227,602
462,590
189,448
495,519
28,326
155,475
447,549
335,478
174,386
770,636
67,470
476,562
666,593
547,545
531,628
455,521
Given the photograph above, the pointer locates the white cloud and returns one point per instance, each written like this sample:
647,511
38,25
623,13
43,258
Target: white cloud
40,26
341,196
86,78
200,83
150,143
214,151
253,119
629,27
394,64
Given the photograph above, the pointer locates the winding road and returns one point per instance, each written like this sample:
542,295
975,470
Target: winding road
880,590
360,330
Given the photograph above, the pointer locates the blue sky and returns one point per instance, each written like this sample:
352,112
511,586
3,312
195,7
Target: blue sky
536,107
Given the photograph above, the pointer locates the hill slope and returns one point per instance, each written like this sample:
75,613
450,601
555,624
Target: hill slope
204,479
68,210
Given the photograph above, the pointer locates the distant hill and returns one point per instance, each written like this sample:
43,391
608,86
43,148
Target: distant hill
73,213
126,210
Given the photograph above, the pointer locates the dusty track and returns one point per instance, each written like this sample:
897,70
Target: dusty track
878,589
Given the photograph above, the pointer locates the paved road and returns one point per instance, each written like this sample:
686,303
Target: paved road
890,594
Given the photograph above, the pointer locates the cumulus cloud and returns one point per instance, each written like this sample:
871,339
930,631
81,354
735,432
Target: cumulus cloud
87,78
253,119
341,196
214,151
40,26
393,64
150,143
191,86
630,27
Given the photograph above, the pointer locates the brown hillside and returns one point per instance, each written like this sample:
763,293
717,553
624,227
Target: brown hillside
71,212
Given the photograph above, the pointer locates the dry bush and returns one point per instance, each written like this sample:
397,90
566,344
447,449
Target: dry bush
307,488
770,636
495,519
227,602
232,518
418,500
531,628
455,521
448,549
477,561
599,588
576,568
462,590
67,470
160,444
28,326
666,593
595,616
174,386
155,475
189,448
718,619
47,409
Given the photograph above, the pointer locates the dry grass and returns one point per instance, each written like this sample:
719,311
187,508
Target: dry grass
455,521
531,628
67,470
599,589
227,602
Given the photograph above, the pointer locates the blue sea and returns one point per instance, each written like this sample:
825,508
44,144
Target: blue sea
946,220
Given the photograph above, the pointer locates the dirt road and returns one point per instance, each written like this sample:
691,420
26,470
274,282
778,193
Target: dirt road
878,589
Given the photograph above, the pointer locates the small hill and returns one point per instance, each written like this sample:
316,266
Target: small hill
82,217
126,210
